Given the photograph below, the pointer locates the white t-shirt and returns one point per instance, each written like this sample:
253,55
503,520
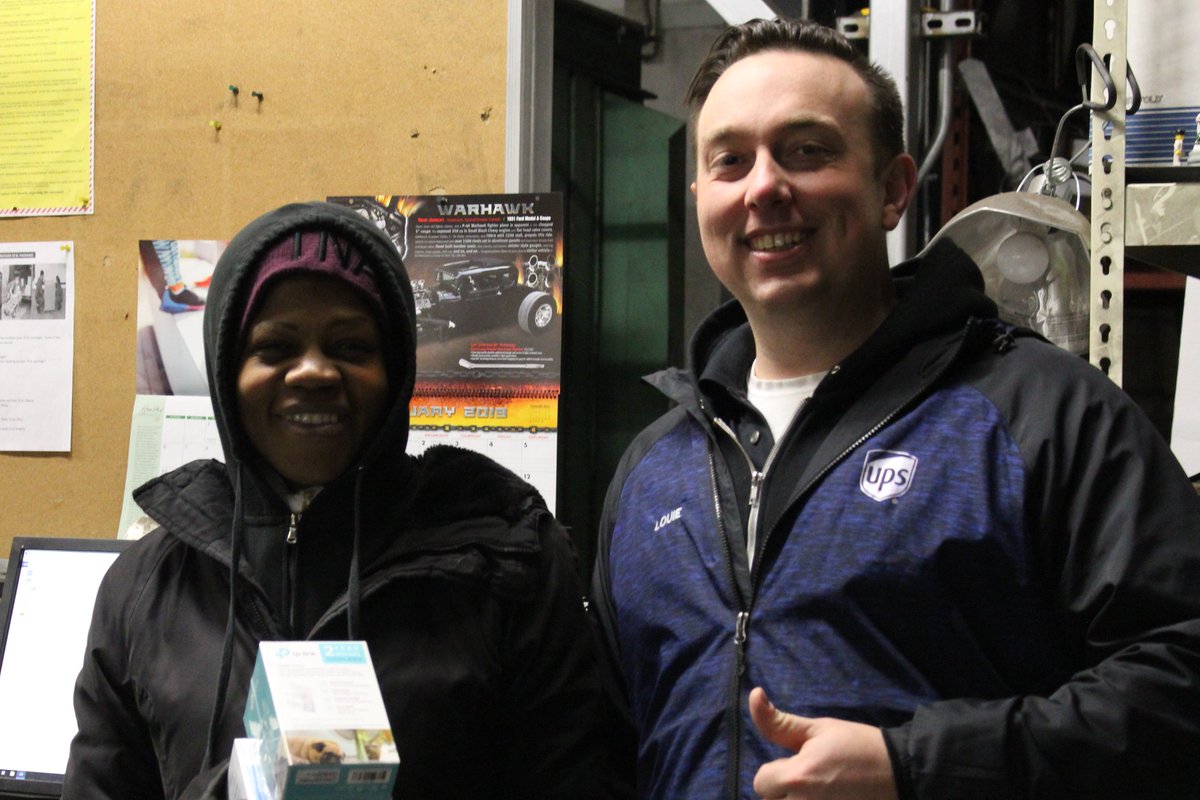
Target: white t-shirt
779,400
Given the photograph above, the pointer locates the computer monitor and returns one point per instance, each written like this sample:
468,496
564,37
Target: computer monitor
49,592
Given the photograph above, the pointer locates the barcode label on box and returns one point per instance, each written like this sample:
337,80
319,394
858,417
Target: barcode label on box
310,776
368,776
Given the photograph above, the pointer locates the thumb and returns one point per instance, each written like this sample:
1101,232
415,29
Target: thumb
784,729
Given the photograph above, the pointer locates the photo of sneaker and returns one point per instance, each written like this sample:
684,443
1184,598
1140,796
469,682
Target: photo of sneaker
183,300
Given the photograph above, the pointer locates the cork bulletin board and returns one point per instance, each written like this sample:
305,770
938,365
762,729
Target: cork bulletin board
359,97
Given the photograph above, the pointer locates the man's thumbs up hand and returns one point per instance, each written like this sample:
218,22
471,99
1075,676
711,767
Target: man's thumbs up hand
834,759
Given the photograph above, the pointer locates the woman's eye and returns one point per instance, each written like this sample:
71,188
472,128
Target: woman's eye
355,348
269,350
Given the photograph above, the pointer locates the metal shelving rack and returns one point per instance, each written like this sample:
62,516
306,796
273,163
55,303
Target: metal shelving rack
1157,221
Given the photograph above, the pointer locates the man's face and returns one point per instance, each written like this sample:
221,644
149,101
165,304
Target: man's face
312,386
792,208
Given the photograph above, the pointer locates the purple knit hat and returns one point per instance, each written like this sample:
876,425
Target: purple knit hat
315,252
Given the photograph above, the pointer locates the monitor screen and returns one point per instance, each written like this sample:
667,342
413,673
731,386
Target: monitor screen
49,592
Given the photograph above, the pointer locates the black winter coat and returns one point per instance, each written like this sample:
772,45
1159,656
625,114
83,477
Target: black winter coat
474,622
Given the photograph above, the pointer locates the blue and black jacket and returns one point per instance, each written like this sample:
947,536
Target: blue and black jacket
967,537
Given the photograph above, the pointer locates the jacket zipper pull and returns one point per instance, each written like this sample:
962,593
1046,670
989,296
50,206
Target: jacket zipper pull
756,482
739,639
292,525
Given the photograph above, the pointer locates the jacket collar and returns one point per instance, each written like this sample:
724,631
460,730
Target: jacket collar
938,292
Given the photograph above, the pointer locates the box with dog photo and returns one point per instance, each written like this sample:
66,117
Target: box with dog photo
317,708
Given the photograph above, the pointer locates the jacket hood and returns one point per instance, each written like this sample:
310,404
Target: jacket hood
938,291
229,292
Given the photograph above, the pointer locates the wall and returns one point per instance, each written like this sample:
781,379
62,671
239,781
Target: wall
362,97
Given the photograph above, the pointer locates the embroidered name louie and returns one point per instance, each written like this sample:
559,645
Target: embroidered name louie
668,518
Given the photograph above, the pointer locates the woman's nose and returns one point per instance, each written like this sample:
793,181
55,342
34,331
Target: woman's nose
313,367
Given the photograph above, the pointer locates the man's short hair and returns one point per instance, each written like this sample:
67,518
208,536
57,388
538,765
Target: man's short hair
806,36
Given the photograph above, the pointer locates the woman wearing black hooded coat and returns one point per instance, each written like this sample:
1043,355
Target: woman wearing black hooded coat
447,564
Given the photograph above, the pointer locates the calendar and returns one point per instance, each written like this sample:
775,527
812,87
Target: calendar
487,278
167,431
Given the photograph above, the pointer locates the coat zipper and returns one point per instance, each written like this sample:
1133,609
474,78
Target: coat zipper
741,623
757,478
291,556
740,632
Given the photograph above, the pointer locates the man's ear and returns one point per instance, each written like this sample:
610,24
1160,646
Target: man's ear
899,181
693,188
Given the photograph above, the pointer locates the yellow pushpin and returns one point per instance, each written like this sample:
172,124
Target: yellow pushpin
215,123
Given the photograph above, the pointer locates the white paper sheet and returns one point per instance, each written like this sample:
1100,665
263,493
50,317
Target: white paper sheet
37,346
1185,429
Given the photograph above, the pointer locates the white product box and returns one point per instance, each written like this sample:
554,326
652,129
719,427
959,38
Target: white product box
318,710
246,779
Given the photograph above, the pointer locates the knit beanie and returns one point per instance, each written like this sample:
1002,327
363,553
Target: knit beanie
313,252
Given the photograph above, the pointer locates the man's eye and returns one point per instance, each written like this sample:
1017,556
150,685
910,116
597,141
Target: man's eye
808,153
724,162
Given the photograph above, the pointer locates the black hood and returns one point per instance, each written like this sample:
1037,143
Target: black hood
227,295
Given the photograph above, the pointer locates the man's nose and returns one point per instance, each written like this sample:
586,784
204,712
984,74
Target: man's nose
767,183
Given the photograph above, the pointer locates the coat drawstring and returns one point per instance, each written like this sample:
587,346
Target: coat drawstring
235,541
353,586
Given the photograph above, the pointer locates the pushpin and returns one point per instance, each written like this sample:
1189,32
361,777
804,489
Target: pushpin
66,248
257,95
215,123
233,89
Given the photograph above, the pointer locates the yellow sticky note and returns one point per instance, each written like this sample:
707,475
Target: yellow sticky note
46,106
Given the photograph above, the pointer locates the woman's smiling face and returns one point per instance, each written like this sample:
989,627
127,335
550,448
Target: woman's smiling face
312,384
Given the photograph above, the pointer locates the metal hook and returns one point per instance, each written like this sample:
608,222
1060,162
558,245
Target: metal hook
1085,53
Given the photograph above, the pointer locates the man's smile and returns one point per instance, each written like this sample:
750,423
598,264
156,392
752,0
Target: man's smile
777,241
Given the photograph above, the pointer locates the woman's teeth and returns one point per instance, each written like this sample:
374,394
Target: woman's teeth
313,419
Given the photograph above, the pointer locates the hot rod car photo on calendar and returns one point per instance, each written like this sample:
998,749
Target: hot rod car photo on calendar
471,295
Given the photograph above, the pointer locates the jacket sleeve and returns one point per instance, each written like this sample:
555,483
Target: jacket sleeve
112,755
1117,527
561,750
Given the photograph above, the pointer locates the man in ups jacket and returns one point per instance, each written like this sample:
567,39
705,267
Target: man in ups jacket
885,545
